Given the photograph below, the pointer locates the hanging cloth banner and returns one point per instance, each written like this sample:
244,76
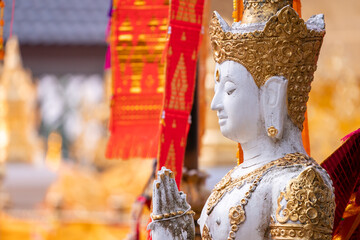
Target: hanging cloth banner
138,38
184,36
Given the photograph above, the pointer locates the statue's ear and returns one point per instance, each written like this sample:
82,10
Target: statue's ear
273,101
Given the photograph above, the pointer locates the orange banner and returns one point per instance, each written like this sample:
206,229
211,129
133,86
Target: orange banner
138,38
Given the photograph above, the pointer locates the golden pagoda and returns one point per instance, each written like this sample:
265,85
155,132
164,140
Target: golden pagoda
18,138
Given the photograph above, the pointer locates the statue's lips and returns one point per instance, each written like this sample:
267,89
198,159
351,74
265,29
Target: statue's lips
222,120
221,116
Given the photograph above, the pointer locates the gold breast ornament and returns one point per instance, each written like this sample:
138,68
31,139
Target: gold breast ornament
227,184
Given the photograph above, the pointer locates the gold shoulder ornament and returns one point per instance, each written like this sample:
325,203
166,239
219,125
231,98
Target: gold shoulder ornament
309,209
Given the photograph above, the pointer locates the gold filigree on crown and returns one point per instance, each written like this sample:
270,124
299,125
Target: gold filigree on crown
262,10
284,47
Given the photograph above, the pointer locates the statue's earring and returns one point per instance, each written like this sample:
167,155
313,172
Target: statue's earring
272,132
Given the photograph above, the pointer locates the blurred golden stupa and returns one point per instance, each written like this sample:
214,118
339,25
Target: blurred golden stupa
18,138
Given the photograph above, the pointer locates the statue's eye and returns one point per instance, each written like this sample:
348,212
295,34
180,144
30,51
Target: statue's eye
229,87
230,92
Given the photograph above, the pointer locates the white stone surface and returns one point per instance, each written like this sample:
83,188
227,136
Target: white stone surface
316,23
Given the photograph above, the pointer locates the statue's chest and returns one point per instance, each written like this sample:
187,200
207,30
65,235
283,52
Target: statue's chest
227,216
231,207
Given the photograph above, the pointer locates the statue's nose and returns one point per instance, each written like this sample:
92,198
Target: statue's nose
216,103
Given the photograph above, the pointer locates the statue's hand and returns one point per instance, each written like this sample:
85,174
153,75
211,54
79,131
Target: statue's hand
172,215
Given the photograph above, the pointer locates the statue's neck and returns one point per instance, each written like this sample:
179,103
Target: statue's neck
263,149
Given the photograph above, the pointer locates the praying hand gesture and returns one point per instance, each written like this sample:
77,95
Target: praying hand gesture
172,217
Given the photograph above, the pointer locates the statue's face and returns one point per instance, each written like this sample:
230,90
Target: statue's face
236,101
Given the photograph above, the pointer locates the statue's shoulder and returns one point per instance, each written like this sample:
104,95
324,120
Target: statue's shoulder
303,203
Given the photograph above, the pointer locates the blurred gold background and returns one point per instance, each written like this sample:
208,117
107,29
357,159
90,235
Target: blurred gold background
71,176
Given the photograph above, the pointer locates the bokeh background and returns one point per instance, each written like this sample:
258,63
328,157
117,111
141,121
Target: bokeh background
62,109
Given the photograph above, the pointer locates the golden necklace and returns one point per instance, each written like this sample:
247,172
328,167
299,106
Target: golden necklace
227,183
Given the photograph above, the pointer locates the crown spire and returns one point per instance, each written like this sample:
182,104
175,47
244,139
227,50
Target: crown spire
256,11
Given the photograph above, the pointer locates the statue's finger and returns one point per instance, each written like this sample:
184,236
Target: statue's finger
163,188
175,193
156,197
183,201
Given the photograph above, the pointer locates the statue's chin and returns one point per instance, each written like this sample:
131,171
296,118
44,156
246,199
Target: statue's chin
239,135
226,132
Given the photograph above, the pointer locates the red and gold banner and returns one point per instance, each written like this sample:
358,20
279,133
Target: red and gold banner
184,37
138,38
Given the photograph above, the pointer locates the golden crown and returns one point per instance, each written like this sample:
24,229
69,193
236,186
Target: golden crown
283,45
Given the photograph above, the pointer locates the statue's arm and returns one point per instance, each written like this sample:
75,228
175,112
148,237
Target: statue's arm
305,207
172,217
